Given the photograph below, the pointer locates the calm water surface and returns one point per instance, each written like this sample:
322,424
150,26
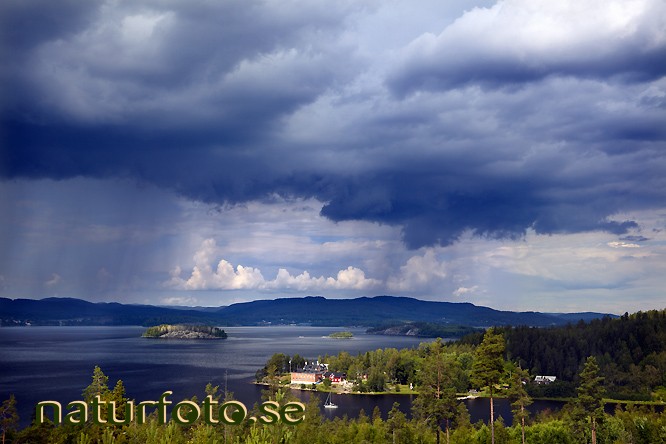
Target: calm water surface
56,363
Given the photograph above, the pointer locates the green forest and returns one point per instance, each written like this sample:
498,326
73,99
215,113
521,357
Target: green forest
596,363
630,350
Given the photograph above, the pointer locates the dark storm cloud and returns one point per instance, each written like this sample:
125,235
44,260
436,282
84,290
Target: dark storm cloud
420,73
197,98
26,24
169,64
635,238
178,106
436,211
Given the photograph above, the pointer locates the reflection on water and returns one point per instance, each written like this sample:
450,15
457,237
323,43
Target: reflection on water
56,363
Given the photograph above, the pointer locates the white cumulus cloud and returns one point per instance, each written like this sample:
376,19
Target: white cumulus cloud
225,277
617,244
420,273
462,291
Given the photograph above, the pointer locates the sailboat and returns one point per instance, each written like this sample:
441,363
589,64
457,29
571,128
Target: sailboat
328,404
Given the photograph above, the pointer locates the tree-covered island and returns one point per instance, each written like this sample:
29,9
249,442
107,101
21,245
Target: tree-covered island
167,331
341,335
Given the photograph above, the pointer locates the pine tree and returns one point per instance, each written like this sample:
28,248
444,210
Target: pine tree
98,386
9,417
437,395
519,397
590,394
488,368
118,396
396,422
212,391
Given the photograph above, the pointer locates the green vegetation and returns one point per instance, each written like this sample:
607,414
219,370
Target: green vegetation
590,395
493,363
341,335
440,372
635,375
423,330
630,352
636,425
185,332
488,369
9,418
519,397
437,399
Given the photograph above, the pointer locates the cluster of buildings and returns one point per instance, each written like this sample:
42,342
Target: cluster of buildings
315,373
539,379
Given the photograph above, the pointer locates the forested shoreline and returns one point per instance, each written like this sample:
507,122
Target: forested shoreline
630,351
571,425
500,362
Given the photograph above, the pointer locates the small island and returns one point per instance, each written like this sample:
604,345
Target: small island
167,331
341,335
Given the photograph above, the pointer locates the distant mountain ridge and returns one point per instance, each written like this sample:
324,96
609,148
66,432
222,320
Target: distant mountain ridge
380,310
71,311
311,310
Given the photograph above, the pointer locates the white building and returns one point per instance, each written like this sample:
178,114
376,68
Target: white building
539,379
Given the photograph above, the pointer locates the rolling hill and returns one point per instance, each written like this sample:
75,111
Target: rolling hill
313,310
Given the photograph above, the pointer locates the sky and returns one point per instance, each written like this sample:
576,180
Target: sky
510,154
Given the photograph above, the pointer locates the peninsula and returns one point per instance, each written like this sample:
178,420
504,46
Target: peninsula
166,331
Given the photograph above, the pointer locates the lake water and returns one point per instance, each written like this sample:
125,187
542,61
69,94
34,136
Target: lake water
56,363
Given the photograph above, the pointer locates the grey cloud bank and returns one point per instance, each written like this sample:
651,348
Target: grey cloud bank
505,121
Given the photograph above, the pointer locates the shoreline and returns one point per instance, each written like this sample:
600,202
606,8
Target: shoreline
337,392
459,397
